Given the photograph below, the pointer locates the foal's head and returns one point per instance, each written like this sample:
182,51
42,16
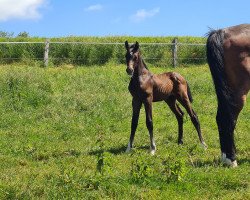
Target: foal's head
132,57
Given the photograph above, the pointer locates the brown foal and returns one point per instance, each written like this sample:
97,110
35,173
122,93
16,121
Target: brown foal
146,88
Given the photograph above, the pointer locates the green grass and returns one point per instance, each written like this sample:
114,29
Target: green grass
107,39
93,53
64,132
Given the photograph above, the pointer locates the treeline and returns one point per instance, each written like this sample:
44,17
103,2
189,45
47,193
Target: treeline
8,35
92,52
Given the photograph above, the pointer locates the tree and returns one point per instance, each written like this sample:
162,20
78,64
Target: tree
23,34
5,34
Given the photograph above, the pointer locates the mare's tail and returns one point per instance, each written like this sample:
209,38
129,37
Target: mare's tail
215,58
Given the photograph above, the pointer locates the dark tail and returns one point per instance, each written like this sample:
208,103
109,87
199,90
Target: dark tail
215,58
189,93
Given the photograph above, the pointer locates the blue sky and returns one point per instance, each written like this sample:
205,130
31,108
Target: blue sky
55,18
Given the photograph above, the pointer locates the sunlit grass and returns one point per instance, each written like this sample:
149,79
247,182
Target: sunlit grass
64,132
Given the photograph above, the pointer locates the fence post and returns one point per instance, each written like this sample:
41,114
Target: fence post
46,53
174,52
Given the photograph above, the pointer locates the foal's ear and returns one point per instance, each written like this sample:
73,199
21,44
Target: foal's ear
126,45
136,48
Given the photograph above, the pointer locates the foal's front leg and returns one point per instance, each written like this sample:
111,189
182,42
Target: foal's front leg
136,104
149,123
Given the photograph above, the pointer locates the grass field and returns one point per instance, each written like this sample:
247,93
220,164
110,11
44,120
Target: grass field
64,132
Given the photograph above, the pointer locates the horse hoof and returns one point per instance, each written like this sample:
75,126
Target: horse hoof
152,152
128,150
204,146
228,162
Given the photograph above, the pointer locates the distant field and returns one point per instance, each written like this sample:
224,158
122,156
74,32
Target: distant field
64,131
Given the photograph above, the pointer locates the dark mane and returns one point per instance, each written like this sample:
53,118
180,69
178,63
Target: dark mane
144,64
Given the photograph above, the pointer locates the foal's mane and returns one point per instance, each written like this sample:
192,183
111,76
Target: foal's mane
144,64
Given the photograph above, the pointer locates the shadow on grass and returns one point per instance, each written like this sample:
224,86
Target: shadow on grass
243,161
216,162
113,150
116,150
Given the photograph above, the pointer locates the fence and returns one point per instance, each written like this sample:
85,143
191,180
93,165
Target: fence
82,53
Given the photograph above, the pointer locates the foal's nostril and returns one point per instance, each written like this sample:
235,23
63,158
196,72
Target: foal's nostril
129,71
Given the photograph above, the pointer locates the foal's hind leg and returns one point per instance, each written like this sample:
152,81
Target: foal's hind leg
194,118
179,116
136,104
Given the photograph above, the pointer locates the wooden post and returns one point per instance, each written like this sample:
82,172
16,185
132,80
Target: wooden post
174,52
46,53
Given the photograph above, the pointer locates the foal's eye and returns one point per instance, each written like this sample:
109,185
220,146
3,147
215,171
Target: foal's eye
129,55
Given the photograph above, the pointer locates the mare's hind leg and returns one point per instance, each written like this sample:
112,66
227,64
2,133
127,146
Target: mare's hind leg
136,104
226,126
179,116
194,118
226,121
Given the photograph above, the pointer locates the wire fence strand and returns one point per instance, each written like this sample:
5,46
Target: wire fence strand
91,53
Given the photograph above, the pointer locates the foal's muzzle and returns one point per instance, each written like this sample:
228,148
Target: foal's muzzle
130,71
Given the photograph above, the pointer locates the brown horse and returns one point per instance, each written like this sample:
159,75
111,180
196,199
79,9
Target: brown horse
228,55
146,88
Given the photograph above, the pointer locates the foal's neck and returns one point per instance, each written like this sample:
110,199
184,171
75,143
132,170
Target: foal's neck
141,67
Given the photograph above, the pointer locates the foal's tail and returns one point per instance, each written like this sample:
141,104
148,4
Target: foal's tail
189,93
215,58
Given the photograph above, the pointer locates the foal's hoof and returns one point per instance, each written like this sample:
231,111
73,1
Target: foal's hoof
128,150
180,142
204,145
228,162
129,147
152,152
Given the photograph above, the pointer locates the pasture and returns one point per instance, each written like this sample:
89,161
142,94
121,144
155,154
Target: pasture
64,131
